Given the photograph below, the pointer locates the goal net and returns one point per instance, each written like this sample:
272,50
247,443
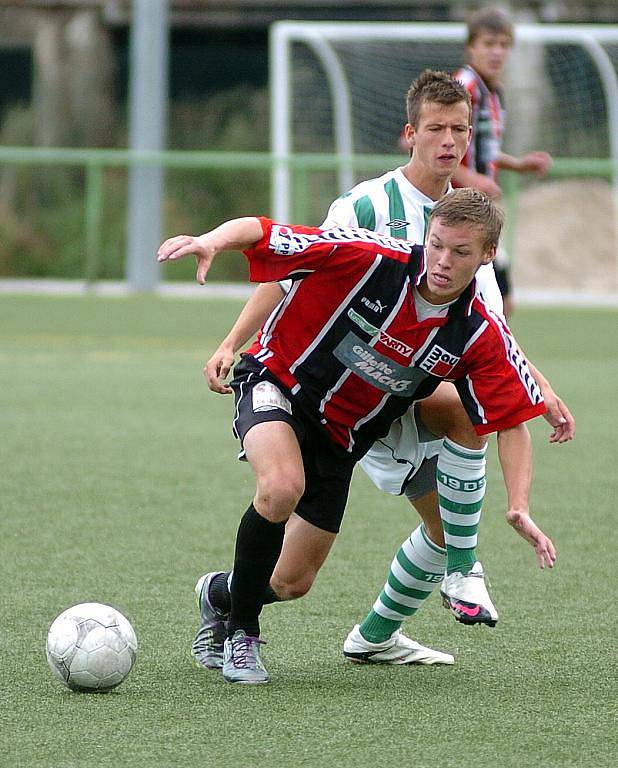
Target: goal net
338,109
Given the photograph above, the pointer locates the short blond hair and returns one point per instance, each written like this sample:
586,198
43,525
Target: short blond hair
469,206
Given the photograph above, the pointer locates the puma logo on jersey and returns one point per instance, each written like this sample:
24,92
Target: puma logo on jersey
397,224
375,306
439,362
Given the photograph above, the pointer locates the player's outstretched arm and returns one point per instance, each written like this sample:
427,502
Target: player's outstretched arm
558,415
532,162
253,316
466,177
515,452
233,235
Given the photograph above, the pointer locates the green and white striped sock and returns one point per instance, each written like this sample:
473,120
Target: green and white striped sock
417,568
461,490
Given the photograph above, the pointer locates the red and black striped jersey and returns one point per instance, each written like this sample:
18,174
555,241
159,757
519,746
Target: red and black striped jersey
349,349
487,123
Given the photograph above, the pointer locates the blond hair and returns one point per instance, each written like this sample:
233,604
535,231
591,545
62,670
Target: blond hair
469,206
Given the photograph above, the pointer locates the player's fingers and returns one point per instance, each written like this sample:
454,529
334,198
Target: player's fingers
569,426
171,245
546,553
213,375
203,266
211,370
176,252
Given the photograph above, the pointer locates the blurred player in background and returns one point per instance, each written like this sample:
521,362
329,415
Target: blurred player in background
396,204
490,38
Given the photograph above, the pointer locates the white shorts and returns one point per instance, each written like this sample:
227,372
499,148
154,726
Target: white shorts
392,461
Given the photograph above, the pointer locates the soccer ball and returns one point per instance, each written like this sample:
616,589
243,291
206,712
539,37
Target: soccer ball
91,647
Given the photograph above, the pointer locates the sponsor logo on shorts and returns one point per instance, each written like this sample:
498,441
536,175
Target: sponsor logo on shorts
439,362
267,397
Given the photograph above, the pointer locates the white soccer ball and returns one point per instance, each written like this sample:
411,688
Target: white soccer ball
91,647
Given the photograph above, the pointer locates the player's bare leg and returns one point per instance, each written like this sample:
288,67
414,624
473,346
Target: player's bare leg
305,548
273,452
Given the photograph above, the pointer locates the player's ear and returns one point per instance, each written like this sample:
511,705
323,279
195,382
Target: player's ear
489,255
409,135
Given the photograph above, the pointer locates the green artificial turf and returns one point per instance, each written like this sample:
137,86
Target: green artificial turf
119,484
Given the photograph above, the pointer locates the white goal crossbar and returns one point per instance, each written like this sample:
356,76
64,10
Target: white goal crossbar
320,37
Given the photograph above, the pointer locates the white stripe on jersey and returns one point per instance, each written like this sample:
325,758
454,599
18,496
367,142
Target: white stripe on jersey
481,330
271,323
517,361
372,413
372,343
299,242
428,340
479,407
263,354
333,318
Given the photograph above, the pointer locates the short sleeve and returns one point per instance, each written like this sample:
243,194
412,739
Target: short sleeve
286,252
496,386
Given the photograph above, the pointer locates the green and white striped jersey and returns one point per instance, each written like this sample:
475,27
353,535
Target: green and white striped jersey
391,205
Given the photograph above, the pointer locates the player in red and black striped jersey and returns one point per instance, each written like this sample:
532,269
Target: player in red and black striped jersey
366,324
326,379
490,37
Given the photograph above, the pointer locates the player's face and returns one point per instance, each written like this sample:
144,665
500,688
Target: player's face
488,53
441,138
453,256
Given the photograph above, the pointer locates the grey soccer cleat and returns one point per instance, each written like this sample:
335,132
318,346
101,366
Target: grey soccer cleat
241,659
207,647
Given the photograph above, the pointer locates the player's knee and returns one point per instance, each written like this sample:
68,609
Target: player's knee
292,587
460,429
278,494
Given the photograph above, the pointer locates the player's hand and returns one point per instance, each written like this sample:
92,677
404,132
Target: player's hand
536,162
530,531
217,369
558,416
180,246
488,186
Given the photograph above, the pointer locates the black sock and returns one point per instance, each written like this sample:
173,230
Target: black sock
219,594
220,598
258,546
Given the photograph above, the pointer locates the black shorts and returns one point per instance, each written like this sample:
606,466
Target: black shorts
328,471
503,279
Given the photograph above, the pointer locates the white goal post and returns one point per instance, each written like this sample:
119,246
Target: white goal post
328,80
